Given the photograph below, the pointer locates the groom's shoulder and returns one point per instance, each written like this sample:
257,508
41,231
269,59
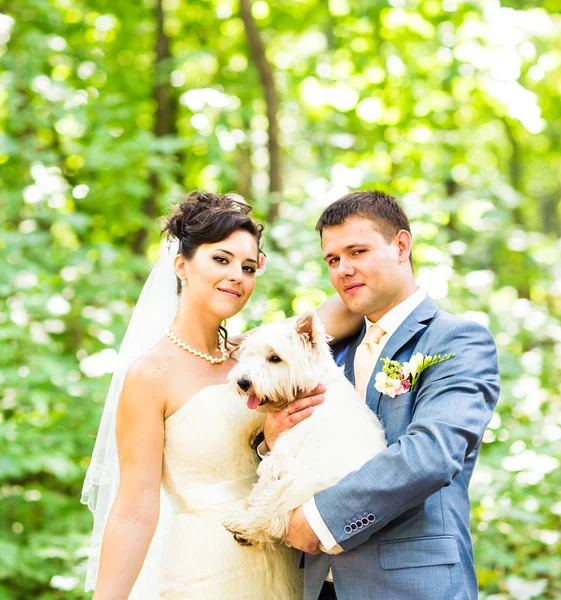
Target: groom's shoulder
447,325
339,349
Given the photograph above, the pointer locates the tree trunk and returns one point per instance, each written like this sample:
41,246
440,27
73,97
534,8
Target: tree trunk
244,165
515,169
266,78
164,123
550,212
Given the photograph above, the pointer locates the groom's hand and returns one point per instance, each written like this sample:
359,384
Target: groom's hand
300,535
296,411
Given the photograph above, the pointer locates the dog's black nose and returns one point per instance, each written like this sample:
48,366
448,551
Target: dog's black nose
244,384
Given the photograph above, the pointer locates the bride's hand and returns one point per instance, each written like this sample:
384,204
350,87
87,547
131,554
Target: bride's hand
293,413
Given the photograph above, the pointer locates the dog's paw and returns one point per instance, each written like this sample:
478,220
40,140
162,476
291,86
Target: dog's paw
238,536
241,540
233,526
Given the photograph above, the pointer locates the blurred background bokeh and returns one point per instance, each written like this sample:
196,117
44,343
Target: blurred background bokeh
110,110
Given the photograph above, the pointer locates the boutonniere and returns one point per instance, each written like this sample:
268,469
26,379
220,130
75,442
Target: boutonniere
395,378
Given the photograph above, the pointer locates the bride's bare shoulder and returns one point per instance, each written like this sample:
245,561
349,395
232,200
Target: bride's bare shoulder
142,403
149,373
152,364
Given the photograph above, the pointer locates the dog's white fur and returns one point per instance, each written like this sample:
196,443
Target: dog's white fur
339,437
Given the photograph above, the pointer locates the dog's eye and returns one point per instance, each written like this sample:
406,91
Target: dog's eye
275,359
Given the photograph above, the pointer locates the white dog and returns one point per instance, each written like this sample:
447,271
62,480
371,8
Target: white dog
276,363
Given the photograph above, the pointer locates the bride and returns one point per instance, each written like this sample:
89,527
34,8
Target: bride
178,426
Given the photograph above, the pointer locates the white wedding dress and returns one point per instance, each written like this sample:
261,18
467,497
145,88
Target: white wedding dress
209,468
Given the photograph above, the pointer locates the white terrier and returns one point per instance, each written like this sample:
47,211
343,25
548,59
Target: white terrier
277,363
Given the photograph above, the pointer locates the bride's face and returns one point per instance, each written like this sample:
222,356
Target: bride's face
221,276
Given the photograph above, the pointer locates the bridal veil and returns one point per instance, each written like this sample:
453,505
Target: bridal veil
153,314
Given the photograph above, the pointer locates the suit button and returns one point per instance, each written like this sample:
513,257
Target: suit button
354,526
360,524
371,518
364,521
348,529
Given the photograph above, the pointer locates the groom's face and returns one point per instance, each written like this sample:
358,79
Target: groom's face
364,268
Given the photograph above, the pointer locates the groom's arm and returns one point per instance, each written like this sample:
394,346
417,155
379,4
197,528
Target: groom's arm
453,406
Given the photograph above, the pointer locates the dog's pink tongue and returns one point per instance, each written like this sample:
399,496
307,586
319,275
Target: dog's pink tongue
253,402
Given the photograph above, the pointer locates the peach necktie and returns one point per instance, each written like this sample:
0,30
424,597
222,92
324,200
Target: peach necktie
366,356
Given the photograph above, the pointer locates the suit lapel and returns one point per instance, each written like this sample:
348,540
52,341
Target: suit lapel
414,323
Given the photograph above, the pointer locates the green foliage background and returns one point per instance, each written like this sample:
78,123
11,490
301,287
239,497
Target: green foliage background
108,113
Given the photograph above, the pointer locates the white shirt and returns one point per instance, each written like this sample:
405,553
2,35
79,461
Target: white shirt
390,322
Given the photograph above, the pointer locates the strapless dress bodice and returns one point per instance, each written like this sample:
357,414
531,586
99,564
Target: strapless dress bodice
209,467
208,453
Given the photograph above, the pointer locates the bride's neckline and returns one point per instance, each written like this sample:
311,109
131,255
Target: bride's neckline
190,401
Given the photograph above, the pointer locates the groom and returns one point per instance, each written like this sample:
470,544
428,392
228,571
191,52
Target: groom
401,522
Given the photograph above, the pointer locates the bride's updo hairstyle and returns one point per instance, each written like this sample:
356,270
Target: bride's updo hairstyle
205,218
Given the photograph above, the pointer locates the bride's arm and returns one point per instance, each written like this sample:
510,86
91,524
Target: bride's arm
134,516
338,320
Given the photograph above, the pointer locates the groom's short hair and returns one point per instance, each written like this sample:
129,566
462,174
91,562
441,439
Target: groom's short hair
385,211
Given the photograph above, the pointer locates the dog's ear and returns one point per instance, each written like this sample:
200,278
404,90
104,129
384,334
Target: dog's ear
309,328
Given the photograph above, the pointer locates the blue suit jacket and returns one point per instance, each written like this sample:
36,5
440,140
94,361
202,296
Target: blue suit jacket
403,518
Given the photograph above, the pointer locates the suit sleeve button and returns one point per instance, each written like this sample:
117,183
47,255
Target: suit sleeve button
348,529
371,518
354,526
364,521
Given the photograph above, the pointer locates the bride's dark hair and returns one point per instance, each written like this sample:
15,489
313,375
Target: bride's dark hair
206,218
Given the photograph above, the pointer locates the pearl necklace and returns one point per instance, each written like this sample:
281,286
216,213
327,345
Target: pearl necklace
211,359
